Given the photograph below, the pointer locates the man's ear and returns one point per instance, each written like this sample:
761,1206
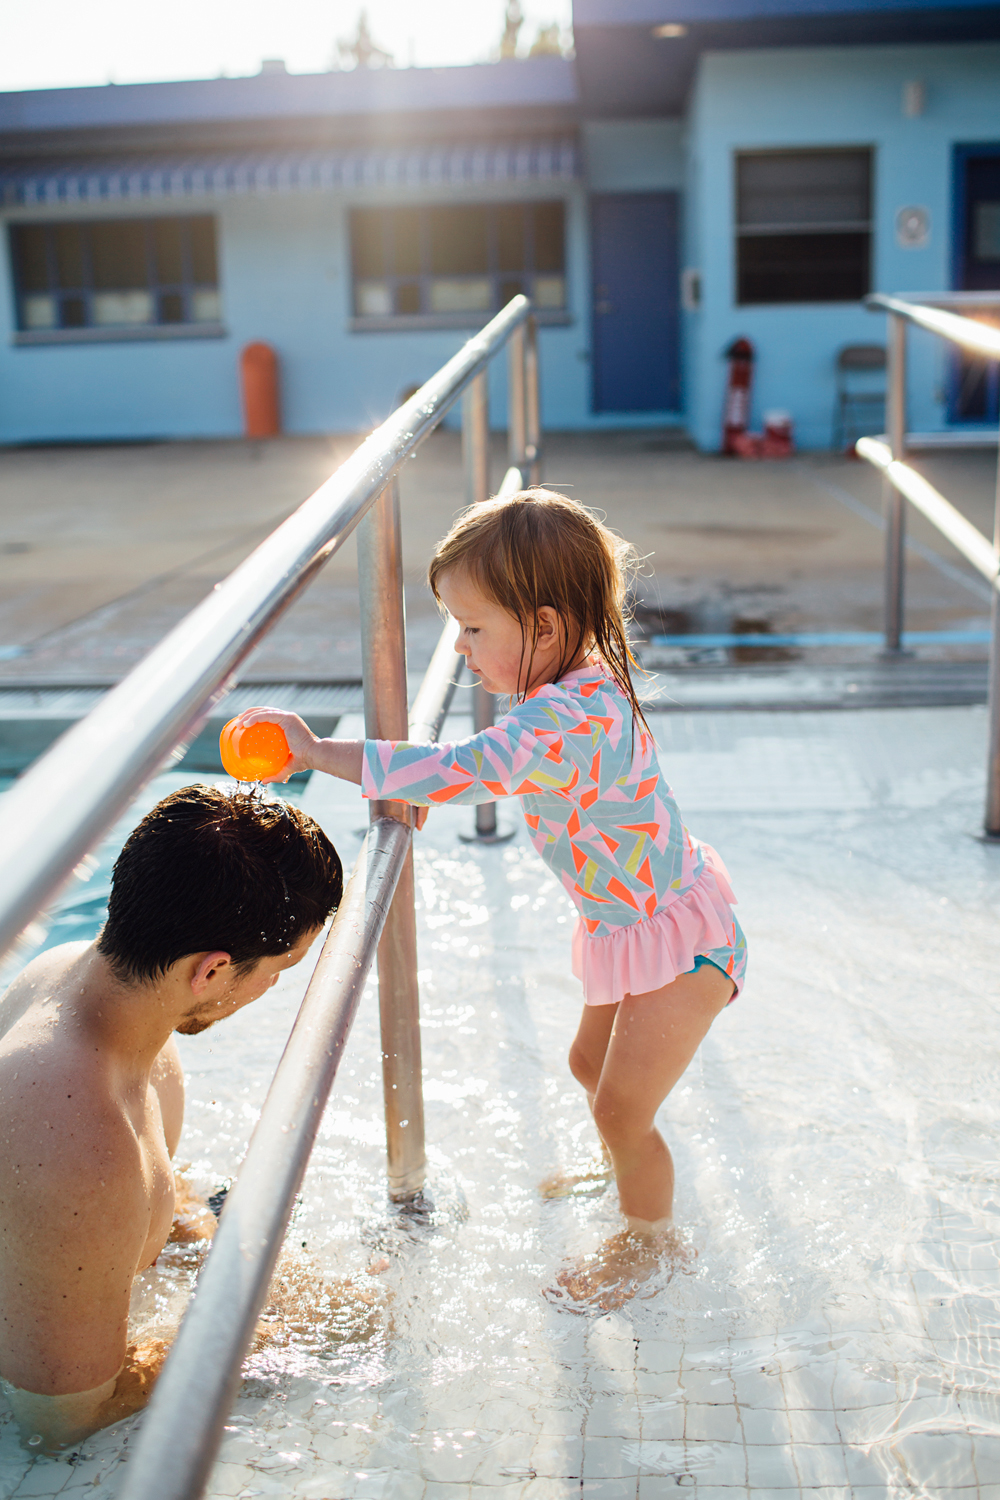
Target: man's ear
210,967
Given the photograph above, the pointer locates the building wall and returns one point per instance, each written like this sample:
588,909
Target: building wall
284,266
827,97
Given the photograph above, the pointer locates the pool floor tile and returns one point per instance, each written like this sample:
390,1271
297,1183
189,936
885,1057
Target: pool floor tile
604,1458
663,1421
609,1417
770,1467
813,1426
763,1425
608,1489
819,1465
557,1457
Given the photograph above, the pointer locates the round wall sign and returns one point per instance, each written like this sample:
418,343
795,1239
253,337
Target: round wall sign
913,228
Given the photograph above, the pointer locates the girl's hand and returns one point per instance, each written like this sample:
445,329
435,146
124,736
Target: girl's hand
301,740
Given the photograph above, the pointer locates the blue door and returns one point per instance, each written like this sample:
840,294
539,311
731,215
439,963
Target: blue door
636,316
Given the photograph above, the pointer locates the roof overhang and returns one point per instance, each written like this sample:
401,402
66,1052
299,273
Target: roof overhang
626,70
137,180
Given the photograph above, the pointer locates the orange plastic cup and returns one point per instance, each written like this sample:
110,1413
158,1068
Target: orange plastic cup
253,752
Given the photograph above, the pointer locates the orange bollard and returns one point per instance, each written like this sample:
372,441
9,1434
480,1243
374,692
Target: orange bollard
259,383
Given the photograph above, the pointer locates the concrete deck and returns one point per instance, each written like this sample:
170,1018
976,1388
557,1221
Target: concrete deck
837,1337
103,549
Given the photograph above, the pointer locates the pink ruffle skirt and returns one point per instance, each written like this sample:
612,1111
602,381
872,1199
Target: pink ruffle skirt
650,954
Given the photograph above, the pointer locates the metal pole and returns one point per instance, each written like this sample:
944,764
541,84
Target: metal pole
516,434
476,440
991,822
483,714
383,657
532,401
893,504
476,459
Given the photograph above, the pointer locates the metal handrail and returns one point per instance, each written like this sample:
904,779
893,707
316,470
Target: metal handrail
978,337
959,531
902,483
59,809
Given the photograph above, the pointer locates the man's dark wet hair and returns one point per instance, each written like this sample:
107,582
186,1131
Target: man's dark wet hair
206,869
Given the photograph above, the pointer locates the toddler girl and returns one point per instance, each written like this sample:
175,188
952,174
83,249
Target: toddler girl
537,586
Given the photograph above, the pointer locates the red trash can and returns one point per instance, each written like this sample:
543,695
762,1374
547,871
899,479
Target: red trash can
259,389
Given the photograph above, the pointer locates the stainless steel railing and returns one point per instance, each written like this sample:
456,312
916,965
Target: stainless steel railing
69,798
902,483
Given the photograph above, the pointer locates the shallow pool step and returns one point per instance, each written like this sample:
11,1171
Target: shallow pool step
33,717
907,682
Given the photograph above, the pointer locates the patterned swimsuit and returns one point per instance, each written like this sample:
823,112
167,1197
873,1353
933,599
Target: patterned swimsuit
652,899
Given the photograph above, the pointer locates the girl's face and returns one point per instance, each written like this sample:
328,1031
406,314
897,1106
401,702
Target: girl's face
490,638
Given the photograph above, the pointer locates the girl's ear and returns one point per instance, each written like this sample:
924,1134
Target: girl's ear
549,625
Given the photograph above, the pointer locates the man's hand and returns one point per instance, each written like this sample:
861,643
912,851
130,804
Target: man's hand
193,1219
134,1386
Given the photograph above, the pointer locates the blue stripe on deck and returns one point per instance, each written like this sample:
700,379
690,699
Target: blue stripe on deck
827,638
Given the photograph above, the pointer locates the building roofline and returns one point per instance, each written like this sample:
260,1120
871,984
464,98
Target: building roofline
277,99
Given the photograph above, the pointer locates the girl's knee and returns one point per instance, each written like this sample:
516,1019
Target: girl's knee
617,1119
583,1068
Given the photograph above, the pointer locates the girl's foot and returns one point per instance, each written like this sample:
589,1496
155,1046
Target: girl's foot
616,1272
582,1181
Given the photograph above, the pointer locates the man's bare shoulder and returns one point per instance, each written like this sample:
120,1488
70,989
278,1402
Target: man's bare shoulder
58,1115
38,982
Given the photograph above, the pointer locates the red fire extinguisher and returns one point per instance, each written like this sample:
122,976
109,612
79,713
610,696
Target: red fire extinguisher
736,413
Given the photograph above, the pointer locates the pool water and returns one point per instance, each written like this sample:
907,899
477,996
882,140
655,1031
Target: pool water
838,1333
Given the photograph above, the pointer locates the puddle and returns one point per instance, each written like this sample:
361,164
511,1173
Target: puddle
710,618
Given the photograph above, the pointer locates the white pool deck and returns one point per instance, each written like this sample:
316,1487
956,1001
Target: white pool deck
837,1160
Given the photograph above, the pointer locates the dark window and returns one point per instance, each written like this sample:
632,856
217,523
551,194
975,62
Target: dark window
110,273
465,260
803,226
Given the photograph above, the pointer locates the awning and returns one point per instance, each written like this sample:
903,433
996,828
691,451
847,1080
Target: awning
152,179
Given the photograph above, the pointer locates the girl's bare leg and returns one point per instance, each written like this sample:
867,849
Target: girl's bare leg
653,1039
586,1059
647,1047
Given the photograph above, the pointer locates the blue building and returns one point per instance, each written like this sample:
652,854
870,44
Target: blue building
703,169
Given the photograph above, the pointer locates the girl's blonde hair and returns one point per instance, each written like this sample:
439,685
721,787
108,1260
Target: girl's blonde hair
536,548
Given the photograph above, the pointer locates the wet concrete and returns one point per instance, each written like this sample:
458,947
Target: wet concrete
102,550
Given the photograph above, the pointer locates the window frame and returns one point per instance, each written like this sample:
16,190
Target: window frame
828,229
90,331
359,322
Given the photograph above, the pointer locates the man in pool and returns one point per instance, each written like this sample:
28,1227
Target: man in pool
212,897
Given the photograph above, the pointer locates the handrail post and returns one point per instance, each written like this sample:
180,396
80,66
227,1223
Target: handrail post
991,821
383,656
893,504
532,404
476,461
517,437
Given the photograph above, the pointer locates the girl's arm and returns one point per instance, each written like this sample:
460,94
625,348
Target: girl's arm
529,750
